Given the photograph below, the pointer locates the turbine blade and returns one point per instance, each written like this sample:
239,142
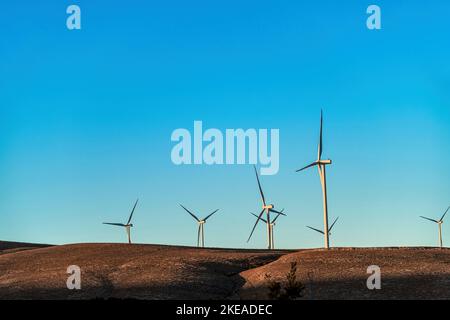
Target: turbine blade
193,215
279,212
114,224
274,220
198,236
317,230
319,151
210,215
333,224
432,220
256,223
262,219
308,166
442,219
278,215
132,211
259,185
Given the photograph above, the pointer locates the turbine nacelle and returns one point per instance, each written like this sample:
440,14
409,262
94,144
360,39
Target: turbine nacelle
269,207
325,162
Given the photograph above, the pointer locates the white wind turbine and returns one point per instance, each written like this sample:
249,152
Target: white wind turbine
321,164
329,230
271,225
127,225
439,222
268,209
201,229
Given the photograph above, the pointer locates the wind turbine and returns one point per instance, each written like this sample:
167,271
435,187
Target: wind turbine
329,230
439,222
268,209
127,225
272,224
201,229
321,164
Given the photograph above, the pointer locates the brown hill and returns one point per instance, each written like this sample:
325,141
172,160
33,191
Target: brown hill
10,247
406,273
169,272
128,271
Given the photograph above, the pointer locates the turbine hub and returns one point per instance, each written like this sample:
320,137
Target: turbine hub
325,161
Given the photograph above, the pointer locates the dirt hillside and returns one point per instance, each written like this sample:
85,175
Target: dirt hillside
127,271
10,247
169,272
406,273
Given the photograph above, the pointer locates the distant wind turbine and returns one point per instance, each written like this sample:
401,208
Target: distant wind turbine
201,229
321,164
439,222
272,224
329,230
128,225
268,209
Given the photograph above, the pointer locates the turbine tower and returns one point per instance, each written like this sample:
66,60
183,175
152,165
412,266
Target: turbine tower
268,209
201,227
127,225
329,230
321,164
439,222
272,224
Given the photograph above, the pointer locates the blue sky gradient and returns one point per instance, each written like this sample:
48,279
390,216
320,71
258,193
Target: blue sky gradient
86,118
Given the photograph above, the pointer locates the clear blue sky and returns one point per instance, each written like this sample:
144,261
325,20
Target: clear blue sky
86,118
